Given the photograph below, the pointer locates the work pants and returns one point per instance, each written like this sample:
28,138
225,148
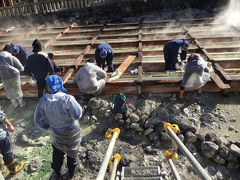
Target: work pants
6,151
57,162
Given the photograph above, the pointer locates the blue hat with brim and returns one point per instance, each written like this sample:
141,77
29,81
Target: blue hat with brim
103,53
54,82
185,44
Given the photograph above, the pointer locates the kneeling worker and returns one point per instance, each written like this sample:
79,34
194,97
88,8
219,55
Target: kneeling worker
196,73
90,78
171,51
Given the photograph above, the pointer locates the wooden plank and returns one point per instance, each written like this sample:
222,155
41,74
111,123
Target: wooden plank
222,73
219,81
68,75
120,70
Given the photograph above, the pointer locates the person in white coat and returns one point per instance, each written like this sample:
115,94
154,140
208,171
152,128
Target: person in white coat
90,78
10,68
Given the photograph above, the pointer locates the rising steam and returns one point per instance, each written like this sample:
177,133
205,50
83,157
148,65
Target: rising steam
230,17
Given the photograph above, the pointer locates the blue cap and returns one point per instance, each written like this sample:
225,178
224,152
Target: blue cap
54,82
103,53
15,48
185,44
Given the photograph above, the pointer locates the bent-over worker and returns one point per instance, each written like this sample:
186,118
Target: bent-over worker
104,54
10,68
171,51
196,73
90,78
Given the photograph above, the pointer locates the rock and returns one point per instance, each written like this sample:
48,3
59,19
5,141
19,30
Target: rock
136,127
236,130
131,106
207,118
200,136
231,128
94,103
138,112
24,139
129,111
226,136
223,151
165,137
128,121
231,165
233,120
34,166
186,112
118,116
93,119
235,150
85,119
134,118
219,159
231,157
153,136
191,147
209,149
148,131
181,137
143,119
211,137
190,137
103,103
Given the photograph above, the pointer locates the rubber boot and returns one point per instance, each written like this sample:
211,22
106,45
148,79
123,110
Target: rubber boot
15,167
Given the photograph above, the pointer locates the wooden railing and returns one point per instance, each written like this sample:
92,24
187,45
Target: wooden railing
49,6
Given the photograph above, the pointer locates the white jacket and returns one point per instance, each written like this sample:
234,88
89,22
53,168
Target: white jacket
90,79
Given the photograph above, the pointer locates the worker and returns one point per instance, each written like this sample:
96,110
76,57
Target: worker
90,78
10,68
171,51
19,52
104,54
57,70
12,165
196,73
38,66
59,113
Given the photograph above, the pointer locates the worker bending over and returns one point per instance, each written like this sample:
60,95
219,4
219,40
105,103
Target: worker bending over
59,113
104,54
90,78
10,68
38,66
5,145
171,51
196,73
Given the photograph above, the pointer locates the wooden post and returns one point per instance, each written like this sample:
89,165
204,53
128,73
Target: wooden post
4,4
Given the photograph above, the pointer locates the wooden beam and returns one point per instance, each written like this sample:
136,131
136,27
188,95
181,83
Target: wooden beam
50,41
68,75
120,70
219,81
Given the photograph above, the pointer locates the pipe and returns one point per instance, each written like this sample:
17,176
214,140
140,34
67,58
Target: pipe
108,154
116,161
199,169
174,170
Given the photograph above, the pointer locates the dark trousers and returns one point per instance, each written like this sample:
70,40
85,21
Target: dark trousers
109,60
57,162
6,151
41,83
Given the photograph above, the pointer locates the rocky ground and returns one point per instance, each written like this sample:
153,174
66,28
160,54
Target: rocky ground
209,127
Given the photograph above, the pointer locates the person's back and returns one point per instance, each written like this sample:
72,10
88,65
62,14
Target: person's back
9,66
90,78
38,65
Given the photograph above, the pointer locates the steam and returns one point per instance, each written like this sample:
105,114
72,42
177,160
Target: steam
230,17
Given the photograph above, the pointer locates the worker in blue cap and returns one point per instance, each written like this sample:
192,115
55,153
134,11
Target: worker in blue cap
104,54
59,113
171,51
19,52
